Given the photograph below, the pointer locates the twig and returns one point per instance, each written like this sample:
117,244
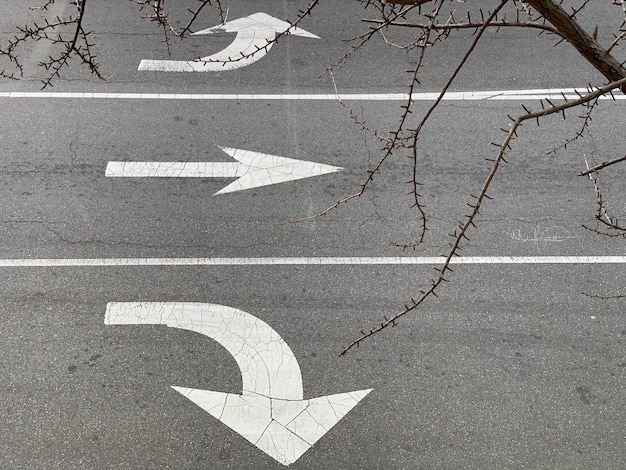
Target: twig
461,233
602,165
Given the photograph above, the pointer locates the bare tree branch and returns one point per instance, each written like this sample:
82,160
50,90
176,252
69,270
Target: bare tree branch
602,165
470,25
416,133
611,224
585,44
460,234
433,25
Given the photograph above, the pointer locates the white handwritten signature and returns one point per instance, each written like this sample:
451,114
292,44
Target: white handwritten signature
538,236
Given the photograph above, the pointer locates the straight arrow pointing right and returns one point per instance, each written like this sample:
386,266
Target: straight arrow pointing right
252,170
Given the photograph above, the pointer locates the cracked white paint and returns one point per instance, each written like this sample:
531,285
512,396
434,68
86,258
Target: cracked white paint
304,261
557,94
255,37
283,429
253,169
271,411
268,366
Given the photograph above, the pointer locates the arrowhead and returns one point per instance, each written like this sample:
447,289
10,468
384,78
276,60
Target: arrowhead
283,429
257,22
262,169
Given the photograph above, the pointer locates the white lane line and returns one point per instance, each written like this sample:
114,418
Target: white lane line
497,95
304,261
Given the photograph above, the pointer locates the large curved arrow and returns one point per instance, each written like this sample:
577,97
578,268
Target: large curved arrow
255,37
271,411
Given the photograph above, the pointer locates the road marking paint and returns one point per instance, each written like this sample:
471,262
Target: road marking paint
303,261
255,37
502,95
253,170
271,411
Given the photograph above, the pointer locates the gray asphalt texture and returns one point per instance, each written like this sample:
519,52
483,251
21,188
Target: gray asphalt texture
511,367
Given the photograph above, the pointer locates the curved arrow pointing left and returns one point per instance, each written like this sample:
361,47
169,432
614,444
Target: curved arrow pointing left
255,37
270,412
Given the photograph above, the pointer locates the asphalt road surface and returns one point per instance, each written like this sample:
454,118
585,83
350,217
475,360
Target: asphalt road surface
115,289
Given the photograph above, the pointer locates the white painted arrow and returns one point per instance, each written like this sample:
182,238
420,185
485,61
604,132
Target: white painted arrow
255,37
253,169
270,412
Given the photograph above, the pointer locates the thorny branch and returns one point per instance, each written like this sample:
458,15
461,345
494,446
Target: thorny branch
586,117
461,233
388,18
611,224
66,32
69,33
567,28
161,17
468,25
416,133
396,140
604,297
586,44
78,45
602,165
223,13
432,23
302,14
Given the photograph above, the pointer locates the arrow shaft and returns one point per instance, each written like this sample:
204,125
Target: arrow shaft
268,366
247,48
175,170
